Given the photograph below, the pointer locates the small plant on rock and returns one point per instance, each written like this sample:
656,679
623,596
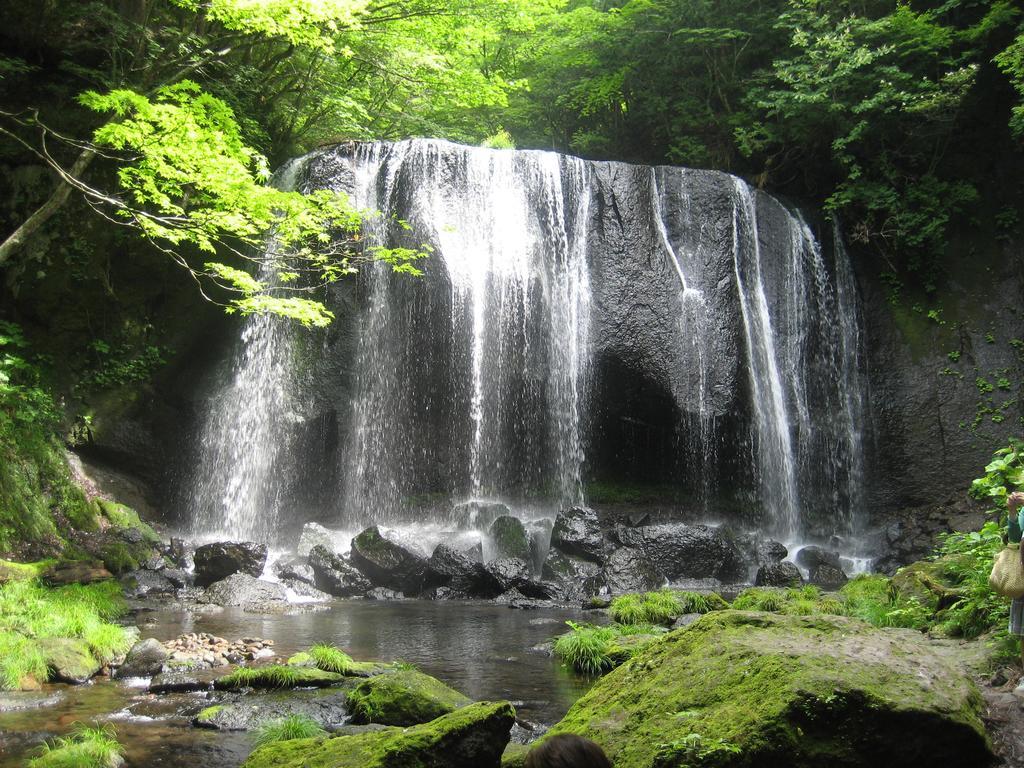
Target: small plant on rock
330,658
84,748
587,648
285,729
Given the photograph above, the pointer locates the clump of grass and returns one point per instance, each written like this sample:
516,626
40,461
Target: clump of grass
330,658
587,648
30,611
271,676
760,599
663,606
872,598
20,659
285,729
84,748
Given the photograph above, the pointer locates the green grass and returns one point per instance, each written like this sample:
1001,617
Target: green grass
291,727
20,659
593,650
84,748
587,648
330,658
663,606
272,676
30,611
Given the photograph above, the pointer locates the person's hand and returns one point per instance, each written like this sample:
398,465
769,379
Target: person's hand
1015,500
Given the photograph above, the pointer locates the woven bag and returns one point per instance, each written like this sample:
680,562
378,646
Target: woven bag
1007,577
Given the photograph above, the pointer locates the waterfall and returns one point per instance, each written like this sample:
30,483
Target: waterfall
243,444
568,306
776,458
509,233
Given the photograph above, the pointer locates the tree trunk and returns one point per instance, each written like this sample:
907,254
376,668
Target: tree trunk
46,211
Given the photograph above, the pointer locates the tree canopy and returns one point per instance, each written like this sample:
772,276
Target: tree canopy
898,117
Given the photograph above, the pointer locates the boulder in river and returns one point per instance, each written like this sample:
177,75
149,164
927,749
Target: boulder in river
387,562
471,737
313,535
145,659
336,575
509,538
240,589
218,561
404,697
461,574
778,575
577,532
295,569
69,660
752,689
677,550
629,570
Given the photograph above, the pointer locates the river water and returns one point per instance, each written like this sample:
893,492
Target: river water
481,649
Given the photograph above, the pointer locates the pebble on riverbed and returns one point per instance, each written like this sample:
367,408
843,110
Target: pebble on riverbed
203,649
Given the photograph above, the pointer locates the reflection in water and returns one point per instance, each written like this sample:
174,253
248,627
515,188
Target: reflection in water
481,649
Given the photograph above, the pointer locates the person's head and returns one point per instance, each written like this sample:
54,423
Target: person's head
567,751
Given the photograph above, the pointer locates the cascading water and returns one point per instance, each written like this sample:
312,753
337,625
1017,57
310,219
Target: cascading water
509,235
557,287
243,446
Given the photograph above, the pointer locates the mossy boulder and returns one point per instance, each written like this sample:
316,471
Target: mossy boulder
748,689
509,538
69,660
471,737
277,676
387,562
11,571
929,582
405,697
125,518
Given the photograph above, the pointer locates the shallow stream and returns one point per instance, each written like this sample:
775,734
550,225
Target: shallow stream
481,649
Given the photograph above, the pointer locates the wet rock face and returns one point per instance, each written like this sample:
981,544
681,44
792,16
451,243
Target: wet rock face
686,551
217,561
459,573
335,575
388,563
314,534
145,659
575,577
577,532
509,538
630,570
778,575
240,589
295,569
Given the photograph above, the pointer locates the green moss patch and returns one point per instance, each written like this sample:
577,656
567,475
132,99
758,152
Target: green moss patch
749,689
470,737
404,697
276,676
124,518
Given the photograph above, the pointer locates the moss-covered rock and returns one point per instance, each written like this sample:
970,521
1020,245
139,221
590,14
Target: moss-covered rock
471,737
11,571
125,518
509,538
276,676
405,697
68,660
756,689
927,581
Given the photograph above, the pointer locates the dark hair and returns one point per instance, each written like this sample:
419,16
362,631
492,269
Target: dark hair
567,751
